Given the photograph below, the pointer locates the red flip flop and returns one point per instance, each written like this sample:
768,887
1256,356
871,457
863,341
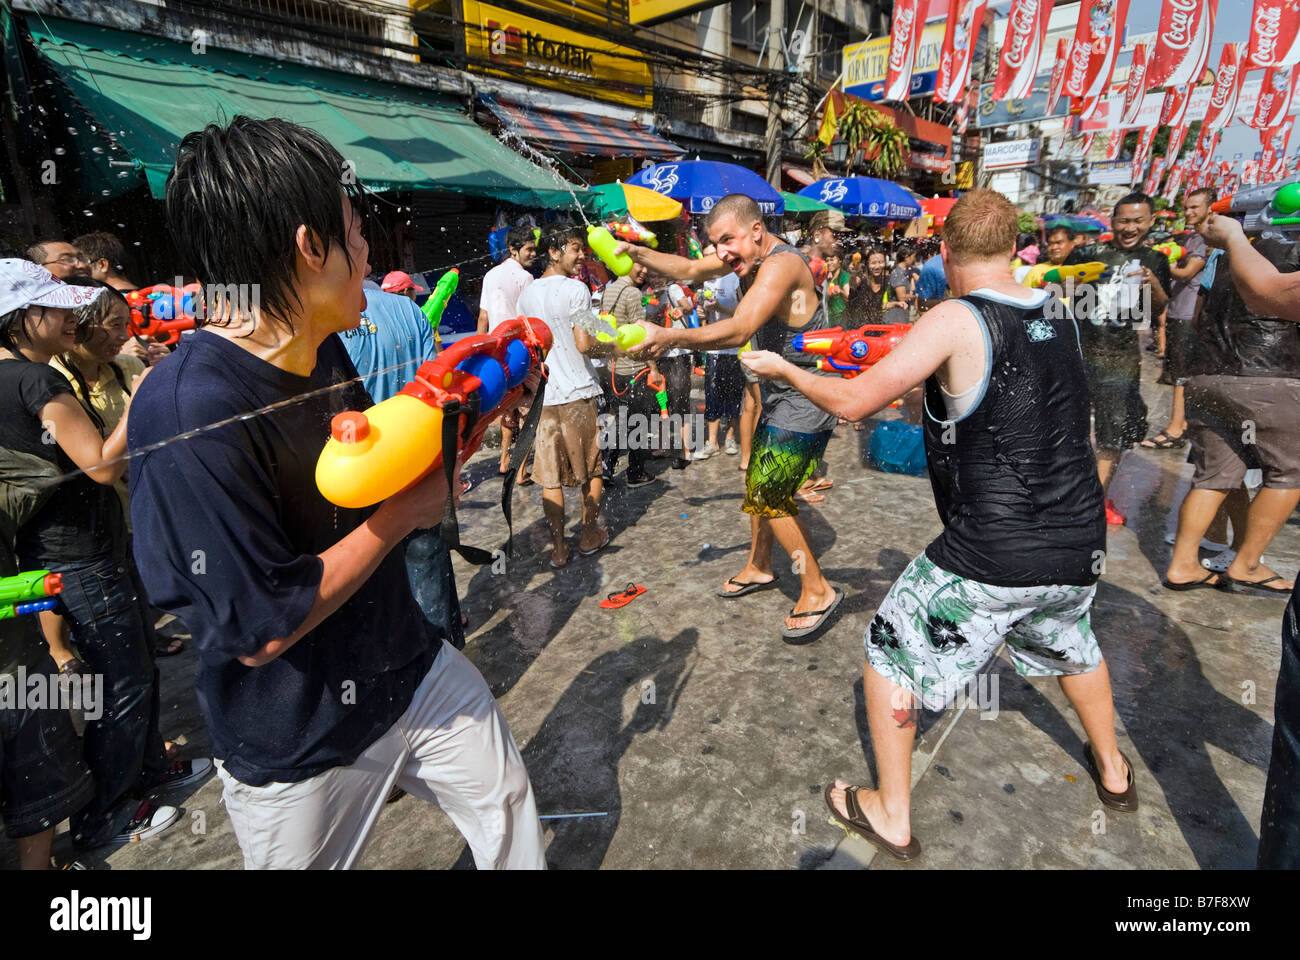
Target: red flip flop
623,597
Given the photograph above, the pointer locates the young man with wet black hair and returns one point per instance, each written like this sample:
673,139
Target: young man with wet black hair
322,684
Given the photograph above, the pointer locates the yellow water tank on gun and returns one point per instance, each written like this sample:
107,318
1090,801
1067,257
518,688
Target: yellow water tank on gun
371,456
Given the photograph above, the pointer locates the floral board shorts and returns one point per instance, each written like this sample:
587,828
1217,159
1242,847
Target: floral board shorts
935,630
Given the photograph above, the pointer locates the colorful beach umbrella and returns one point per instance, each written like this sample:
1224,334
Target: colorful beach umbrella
865,197
701,183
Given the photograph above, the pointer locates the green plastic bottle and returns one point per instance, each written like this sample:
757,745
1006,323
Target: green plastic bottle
603,242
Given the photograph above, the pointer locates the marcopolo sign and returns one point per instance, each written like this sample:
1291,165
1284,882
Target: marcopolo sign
1009,154
523,48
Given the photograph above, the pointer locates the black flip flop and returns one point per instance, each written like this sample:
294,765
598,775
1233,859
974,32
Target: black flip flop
1255,587
804,634
1197,584
1126,802
746,586
857,823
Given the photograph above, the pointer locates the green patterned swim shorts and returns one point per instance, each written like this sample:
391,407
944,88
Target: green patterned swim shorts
935,630
779,463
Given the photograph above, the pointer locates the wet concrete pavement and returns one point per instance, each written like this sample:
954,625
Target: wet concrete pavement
703,740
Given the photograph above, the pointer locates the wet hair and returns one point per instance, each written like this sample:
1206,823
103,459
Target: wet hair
1069,231
557,238
982,225
1136,198
9,324
102,245
518,237
1207,192
238,195
736,205
37,253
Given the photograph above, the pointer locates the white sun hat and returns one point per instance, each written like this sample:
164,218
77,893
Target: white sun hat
24,284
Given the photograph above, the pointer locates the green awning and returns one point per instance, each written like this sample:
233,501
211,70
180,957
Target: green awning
794,204
149,92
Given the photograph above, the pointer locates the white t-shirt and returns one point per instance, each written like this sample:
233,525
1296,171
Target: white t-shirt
558,301
501,288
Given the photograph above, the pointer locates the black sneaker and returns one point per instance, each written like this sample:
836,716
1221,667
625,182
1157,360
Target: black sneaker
639,479
182,773
681,463
149,820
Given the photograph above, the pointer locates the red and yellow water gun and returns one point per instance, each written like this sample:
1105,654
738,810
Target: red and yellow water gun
849,352
1172,250
629,231
396,443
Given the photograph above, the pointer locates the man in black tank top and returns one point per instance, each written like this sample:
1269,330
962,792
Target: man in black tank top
1015,483
779,299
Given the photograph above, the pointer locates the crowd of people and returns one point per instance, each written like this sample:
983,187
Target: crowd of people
330,675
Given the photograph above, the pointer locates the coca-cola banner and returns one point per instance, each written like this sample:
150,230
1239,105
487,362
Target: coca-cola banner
1250,173
1227,86
1177,100
1144,141
1109,111
1153,178
1275,96
1176,137
1175,182
904,38
1274,142
1060,69
1022,48
1114,142
964,19
1137,84
1274,34
1182,43
1098,36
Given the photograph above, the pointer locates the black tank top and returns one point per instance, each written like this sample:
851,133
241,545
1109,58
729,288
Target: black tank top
783,405
1015,479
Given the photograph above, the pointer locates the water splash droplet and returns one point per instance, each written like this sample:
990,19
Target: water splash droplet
59,151
72,131
88,213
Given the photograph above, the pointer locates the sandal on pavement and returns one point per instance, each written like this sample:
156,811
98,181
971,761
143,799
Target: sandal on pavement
1126,802
622,598
824,483
596,549
1256,587
810,497
1203,583
858,823
804,634
168,646
746,586
1162,441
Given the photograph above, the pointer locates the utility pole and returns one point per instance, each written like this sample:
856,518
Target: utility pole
775,90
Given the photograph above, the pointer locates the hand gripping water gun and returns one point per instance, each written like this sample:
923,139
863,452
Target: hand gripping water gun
849,352
442,292
603,243
629,231
161,312
1265,206
693,248
1174,251
683,305
657,383
396,443
29,592
818,267
1089,272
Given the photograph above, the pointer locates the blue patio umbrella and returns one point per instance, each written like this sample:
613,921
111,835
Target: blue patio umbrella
702,183
865,197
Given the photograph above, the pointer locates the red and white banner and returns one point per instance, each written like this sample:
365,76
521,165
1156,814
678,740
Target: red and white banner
1250,173
1086,145
1136,86
1105,31
1274,142
1177,100
904,39
1205,146
1114,142
1275,97
1175,181
1227,86
1145,139
1176,137
1153,178
1182,42
1274,34
1060,68
964,20
1022,48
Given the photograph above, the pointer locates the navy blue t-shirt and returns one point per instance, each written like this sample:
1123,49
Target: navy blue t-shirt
227,528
